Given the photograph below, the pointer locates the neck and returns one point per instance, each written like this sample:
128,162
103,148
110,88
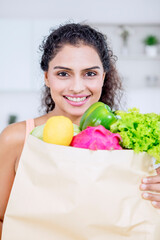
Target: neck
74,119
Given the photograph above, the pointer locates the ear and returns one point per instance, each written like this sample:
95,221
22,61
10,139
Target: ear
46,79
104,74
103,77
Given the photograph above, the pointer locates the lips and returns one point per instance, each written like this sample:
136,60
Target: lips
77,100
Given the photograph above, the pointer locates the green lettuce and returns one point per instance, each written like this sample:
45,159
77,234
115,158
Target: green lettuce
38,131
76,129
140,132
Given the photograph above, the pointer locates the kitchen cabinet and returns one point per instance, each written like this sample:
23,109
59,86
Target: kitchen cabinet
15,55
146,99
137,70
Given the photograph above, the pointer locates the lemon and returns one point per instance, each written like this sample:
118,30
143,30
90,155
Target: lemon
58,130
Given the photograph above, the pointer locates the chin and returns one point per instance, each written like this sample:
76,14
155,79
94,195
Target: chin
76,114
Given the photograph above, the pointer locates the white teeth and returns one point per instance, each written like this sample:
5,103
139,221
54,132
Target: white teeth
76,99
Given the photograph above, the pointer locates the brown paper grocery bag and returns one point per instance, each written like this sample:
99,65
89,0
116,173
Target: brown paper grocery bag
66,193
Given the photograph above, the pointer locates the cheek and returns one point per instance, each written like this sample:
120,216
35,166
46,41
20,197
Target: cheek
56,86
97,85
97,88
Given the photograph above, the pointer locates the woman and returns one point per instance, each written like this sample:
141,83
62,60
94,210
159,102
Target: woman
78,71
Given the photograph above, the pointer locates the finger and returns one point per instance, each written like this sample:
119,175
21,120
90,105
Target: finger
151,196
150,187
153,179
156,204
158,170
155,199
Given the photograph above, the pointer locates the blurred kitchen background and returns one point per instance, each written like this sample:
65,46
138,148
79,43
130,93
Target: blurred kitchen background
133,31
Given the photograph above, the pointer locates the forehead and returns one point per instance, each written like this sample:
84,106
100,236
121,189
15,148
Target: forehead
79,54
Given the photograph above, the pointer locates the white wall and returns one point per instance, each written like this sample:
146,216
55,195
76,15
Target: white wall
23,104
110,11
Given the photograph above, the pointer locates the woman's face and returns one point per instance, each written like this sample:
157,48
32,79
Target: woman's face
75,78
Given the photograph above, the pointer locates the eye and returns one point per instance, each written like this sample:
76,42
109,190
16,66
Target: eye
63,74
90,74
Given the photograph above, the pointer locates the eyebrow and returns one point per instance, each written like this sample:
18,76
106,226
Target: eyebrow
60,67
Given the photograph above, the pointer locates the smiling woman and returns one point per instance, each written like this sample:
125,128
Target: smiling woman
79,70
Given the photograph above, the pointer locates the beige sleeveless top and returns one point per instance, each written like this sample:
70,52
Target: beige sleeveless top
30,125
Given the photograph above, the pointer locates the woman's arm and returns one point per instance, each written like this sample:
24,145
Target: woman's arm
11,144
0,229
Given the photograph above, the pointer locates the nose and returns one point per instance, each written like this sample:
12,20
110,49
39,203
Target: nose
77,85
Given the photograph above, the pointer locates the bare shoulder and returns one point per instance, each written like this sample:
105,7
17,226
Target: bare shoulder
12,132
12,139
11,145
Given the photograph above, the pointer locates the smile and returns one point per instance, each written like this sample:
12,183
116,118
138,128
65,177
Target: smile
76,99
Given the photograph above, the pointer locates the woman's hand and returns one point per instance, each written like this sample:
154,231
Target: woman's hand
152,184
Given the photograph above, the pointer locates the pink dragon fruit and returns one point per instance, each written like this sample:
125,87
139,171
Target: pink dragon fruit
95,138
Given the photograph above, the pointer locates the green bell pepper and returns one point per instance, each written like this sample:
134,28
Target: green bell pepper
98,114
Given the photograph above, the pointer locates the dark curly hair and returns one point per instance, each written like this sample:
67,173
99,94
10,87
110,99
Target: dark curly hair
74,34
